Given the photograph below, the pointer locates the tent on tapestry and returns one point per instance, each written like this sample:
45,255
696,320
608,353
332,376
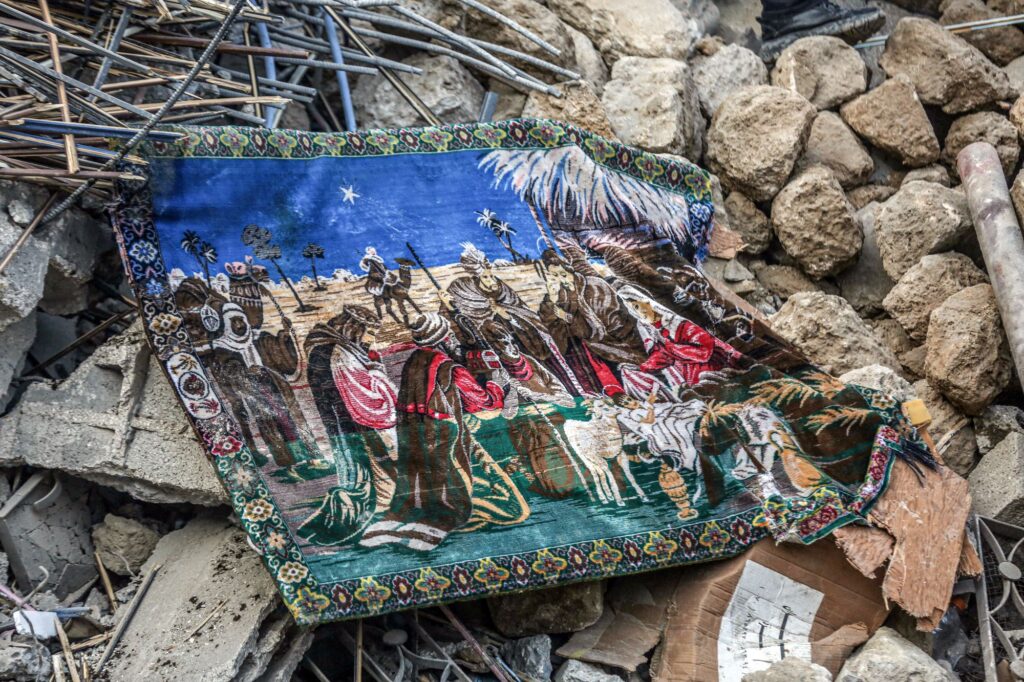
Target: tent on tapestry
460,410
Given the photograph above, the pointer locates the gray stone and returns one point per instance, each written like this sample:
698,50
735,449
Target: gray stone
951,425
730,68
926,286
550,611
834,145
1015,72
123,544
815,223
750,222
866,283
823,69
641,28
984,126
578,671
891,118
1000,44
968,356
578,104
445,86
24,661
785,280
921,218
114,421
888,657
828,331
936,173
882,379
589,63
529,657
736,272
653,104
995,424
75,241
790,669
946,70
15,342
997,483
756,137
206,562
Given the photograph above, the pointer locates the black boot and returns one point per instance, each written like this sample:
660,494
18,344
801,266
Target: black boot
822,18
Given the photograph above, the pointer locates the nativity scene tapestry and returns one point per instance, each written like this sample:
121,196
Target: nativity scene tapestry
443,363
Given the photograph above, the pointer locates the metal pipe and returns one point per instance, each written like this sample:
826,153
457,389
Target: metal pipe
999,235
346,93
269,67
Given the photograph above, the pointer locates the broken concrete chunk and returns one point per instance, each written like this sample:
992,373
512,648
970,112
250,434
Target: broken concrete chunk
756,137
995,424
559,609
824,69
887,657
827,329
114,421
577,671
529,657
883,379
15,342
204,566
123,544
997,483
968,356
865,284
24,661
945,69
951,428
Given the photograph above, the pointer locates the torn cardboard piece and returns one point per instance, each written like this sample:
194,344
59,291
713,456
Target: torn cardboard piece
739,616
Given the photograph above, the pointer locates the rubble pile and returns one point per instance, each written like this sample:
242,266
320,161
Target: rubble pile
840,219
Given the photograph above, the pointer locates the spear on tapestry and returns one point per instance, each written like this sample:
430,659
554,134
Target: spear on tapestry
540,226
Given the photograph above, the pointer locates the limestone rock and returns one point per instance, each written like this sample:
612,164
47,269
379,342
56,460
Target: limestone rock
653,104
984,126
961,453
891,118
946,70
1017,196
997,483
445,85
579,105
891,334
1015,72
883,379
926,286
995,424
834,145
204,563
921,218
749,221
531,15
823,69
828,331
865,284
936,173
1002,45
968,356
578,671
859,197
887,657
1017,115
730,68
790,669
785,280
815,224
123,544
642,28
529,657
559,609
114,421
589,63
756,136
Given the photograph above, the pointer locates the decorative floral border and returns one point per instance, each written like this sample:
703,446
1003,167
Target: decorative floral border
311,602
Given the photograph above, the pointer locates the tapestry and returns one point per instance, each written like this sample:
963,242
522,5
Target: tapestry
443,363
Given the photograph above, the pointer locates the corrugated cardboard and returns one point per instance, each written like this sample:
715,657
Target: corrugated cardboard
738,616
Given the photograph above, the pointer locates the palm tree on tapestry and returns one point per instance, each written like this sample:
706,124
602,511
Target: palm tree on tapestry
570,189
202,251
502,230
258,238
312,252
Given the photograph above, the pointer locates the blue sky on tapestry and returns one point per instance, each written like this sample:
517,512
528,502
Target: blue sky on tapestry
385,198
